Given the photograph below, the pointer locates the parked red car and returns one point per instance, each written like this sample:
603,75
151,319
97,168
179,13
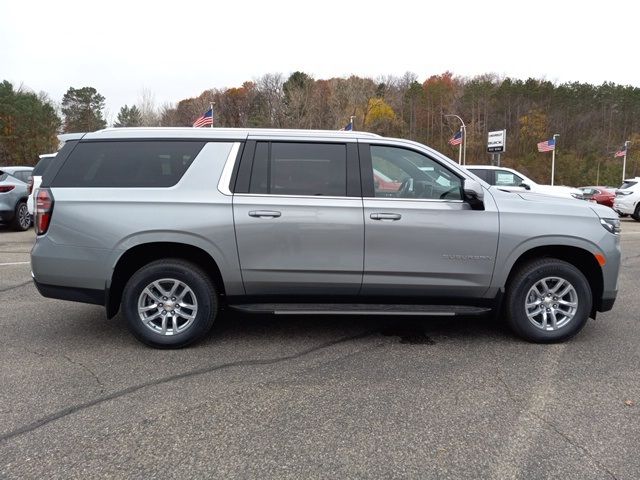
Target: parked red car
602,195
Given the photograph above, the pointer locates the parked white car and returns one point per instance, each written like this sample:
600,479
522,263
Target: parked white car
627,200
36,178
512,180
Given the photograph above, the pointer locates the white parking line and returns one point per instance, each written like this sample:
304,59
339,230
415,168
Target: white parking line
14,263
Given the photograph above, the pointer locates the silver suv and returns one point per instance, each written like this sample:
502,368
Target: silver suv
169,225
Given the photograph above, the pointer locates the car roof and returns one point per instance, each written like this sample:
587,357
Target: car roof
213,133
14,168
488,167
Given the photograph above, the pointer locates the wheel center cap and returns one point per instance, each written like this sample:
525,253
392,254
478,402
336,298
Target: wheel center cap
169,306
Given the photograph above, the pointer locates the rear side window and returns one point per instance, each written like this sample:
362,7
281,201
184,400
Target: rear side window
41,166
22,175
486,175
627,184
282,168
127,164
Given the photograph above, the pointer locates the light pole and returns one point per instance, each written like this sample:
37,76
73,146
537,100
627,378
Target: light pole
624,159
553,156
462,153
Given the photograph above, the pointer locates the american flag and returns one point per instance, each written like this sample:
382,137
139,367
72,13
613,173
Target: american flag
456,139
622,152
204,120
547,145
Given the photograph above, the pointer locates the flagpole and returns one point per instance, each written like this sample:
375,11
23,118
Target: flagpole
211,107
464,143
460,148
624,159
553,157
462,153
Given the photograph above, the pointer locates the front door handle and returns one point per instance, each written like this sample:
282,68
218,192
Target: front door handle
385,216
264,213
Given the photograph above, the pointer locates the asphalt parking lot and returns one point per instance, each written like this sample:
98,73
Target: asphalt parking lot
324,397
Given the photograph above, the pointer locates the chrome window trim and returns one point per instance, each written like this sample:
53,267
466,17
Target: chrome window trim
429,200
227,170
318,197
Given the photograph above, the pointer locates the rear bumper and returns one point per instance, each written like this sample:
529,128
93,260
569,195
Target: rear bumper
72,294
7,215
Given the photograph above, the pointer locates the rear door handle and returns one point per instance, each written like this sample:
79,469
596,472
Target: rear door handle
385,216
264,213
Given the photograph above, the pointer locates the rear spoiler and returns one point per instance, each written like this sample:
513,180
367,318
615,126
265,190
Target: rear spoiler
65,137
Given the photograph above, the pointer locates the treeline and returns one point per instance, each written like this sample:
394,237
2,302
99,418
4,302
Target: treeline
593,121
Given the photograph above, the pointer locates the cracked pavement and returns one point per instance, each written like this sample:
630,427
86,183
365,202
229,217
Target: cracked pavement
323,397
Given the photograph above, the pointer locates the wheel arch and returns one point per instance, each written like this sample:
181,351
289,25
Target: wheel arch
137,256
582,259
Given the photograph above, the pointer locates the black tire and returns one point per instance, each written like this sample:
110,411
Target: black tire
187,273
636,214
516,296
22,218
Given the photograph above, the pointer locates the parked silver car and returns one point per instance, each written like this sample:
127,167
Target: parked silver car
13,197
168,225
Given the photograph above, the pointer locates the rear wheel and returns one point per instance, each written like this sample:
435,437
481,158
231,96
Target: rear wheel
22,219
548,300
169,303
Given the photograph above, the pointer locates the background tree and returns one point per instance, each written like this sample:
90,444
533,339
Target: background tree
82,110
129,117
28,126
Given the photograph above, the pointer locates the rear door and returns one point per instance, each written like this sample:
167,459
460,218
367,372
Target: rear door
423,239
298,218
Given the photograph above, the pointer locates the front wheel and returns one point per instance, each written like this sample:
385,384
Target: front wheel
169,303
636,214
547,301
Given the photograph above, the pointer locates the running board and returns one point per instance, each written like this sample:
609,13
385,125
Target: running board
359,309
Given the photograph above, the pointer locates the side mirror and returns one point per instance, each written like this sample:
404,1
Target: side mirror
526,186
474,194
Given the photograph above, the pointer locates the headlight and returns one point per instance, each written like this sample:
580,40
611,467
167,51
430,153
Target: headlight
612,225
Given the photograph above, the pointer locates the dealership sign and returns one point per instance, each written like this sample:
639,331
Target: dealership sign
497,141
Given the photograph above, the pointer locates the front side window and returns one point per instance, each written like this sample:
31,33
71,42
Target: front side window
283,168
505,178
401,173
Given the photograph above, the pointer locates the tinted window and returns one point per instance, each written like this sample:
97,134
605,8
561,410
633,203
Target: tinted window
42,165
627,184
402,173
281,168
127,164
485,175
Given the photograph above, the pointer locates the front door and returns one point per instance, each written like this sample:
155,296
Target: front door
421,238
298,231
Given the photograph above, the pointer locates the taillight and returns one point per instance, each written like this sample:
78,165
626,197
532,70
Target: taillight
43,210
30,186
6,188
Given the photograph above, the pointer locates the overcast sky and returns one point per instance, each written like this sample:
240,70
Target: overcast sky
178,49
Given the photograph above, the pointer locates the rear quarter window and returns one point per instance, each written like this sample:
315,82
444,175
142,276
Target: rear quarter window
127,164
